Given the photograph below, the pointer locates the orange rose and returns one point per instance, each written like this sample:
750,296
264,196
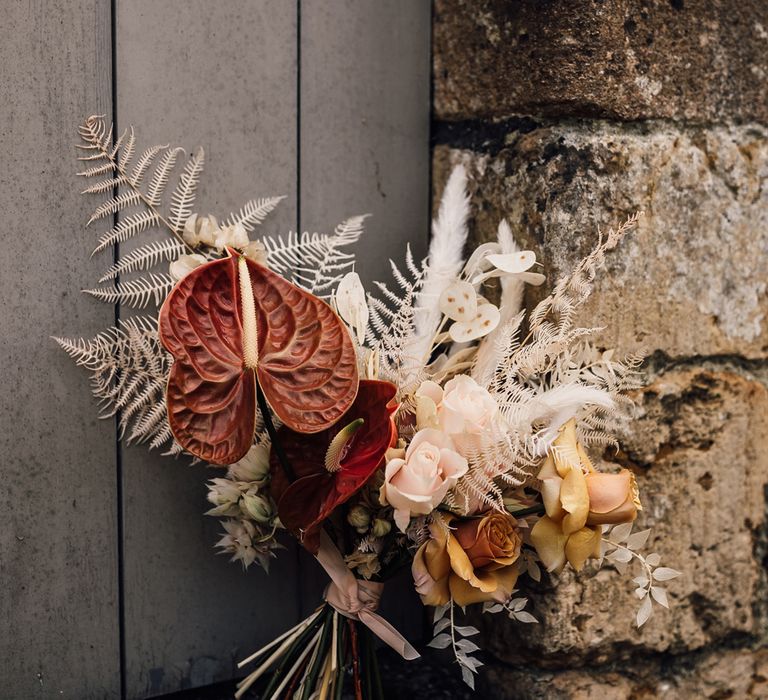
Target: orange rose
471,563
577,500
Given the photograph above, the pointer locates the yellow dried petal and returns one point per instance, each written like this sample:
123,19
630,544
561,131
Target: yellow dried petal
548,539
574,497
582,545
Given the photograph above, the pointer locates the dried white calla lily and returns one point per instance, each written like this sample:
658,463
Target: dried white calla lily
486,319
351,304
459,301
184,265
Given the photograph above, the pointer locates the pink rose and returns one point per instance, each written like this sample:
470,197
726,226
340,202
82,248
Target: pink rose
466,408
417,484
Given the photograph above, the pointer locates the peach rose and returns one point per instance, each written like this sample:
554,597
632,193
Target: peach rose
577,500
417,484
613,498
472,563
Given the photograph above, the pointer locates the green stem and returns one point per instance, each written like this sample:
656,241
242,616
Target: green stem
292,653
533,510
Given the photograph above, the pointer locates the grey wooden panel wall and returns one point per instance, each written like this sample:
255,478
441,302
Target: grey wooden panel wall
58,497
220,75
324,102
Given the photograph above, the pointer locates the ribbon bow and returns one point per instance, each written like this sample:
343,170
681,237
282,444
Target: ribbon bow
358,600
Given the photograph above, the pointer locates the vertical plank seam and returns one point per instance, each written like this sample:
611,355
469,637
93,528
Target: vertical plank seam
118,451
430,135
299,601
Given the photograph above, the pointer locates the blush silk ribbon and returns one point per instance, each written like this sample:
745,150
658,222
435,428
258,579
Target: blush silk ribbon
358,600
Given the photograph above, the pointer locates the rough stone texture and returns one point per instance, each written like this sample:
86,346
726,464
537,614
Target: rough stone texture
572,116
692,279
695,60
730,674
698,450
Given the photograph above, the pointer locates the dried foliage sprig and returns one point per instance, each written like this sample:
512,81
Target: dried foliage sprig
129,370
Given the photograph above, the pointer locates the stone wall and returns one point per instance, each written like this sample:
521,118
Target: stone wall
570,116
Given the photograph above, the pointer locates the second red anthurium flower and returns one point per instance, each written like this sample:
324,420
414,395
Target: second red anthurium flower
332,465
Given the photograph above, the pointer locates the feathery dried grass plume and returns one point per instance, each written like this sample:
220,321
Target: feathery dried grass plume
443,265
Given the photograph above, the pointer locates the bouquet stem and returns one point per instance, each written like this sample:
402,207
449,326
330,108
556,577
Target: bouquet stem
313,658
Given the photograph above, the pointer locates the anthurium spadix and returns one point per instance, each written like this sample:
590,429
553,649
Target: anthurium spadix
232,323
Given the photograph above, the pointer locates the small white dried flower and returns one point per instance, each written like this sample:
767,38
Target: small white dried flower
200,229
254,467
225,496
234,236
239,541
181,267
256,507
380,527
359,517
256,251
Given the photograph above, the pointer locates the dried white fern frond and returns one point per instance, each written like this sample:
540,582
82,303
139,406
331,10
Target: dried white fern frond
145,257
115,160
320,275
127,228
129,369
115,204
183,197
390,329
137,293
315,261
253,212
161,175
497,460
574,289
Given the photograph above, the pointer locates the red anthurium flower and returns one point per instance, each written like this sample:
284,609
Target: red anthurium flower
232,321
331,466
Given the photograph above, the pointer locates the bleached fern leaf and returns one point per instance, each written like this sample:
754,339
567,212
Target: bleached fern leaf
129,369
253,212
144,163
127,147
114,160
136,293
122,201
144,258
107,185
320,274
315,261
127,228
391,324
161,176
183,197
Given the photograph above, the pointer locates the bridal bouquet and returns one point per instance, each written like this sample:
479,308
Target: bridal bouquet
432,425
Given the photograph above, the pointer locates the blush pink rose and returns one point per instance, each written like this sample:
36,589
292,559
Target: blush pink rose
466,408
417,484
